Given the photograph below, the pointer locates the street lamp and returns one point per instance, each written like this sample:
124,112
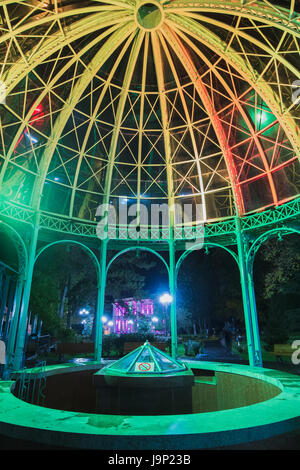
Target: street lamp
83,311
165,300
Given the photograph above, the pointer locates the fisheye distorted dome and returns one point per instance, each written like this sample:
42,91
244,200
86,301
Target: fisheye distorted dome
149,102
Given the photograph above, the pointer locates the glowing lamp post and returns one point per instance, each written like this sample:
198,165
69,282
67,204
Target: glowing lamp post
165,299
84,311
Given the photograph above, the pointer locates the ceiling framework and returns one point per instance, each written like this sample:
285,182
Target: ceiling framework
150,102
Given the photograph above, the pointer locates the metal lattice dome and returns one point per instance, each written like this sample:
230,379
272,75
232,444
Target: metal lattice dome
149,101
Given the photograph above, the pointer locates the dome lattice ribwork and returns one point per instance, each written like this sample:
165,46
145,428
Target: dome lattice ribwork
149,102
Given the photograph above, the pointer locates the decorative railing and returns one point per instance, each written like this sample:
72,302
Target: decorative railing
226,227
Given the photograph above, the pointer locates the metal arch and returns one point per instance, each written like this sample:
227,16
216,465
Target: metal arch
55,42
259,11
43,94
141,122
142,248
217,124
250,256
74,242
54,17
243,114
241,10
188,119
20,247
210,108
103,54
165,121
120,110
285,19
262,88
93,119
202,246
248,38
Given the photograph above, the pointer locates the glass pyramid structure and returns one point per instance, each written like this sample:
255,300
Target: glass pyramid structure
146,359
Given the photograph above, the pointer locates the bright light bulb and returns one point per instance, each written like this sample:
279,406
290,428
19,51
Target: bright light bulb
166,298
83,311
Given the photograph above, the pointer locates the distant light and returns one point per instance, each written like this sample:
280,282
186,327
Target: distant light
130,322
83,311
262,116
33,139
79,360
110,323
38,109
166,298
56,178
155,319
104,319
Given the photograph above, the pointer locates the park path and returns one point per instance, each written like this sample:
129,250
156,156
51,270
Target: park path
214,351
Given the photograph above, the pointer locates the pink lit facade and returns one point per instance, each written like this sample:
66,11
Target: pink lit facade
127,312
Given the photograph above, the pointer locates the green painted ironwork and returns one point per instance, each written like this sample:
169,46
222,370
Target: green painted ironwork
134,248
20,339
278,220
224,228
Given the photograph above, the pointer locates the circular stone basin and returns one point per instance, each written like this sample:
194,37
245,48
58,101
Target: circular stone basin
149,15
259,404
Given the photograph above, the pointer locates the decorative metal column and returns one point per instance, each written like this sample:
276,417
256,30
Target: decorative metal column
100,300
10,303
10,349
172,287
21,333
245,292
255,328
4,298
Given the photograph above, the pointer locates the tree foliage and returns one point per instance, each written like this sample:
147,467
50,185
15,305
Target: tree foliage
280,294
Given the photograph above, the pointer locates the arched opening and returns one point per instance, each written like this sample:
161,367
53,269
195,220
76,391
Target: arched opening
13,262
9,273
63,302
137,278
210,310
274,259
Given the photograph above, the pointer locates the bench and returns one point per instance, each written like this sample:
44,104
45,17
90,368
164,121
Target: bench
282,350
131,346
